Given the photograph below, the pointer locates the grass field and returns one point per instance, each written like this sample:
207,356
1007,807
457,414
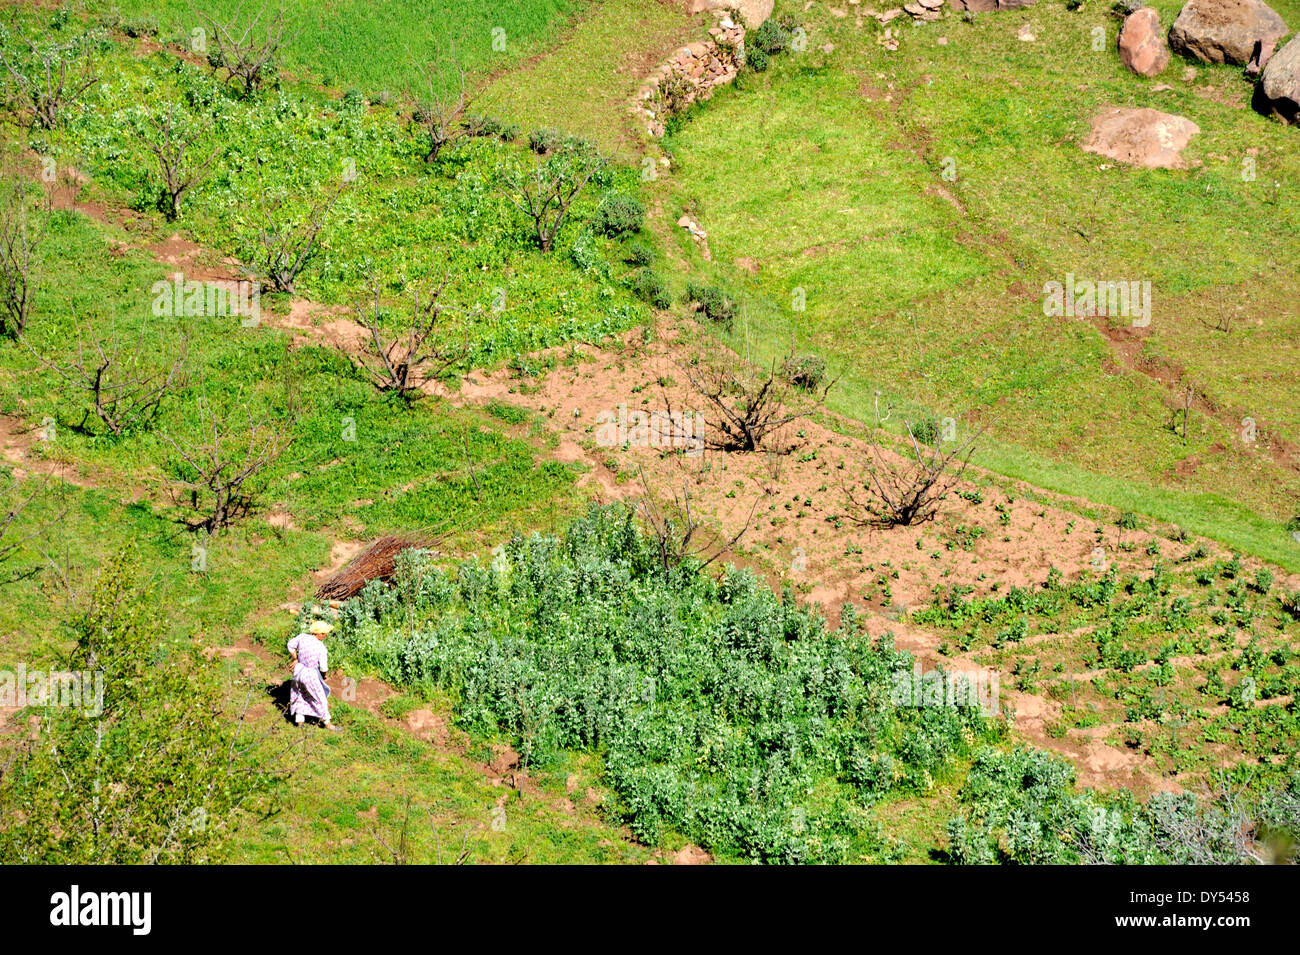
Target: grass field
827,173
374,47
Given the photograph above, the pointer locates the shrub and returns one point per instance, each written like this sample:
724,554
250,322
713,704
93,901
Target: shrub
618,215
638,253
585,255
717,306
926,431
175,767
648,286
806,372
771,38
354,101
138,27
756,60
544,140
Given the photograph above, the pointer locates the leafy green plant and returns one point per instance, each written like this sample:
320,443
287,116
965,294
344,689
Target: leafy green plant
618,215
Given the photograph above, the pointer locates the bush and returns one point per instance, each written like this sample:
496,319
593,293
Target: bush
771,38
717,306
638,253
756,60
354,101
648,286
138,27
926,431
585,255
544,140
618,215
806,372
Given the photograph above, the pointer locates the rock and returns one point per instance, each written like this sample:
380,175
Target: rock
1243,32
1278,92
988,6
1026,34
915,9
754,11
1141,137
1142,46
931,4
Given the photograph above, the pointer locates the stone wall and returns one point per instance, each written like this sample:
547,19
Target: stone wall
700,67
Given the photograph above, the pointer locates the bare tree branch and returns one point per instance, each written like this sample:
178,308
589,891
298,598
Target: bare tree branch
247,53
674,525
749,406
546,192
218,464
412,358
18,244
909,489
288,241
169,144
51,76
122,390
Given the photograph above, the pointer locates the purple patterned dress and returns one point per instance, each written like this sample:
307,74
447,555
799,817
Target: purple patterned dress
308,693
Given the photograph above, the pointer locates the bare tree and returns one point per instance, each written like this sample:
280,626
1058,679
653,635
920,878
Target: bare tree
217,464
170,144
749,405
1183,409
18,243
546,192
49,76
119,385
414,356
247,52
443,109
288,240
675,527
909,488
399,850
14,503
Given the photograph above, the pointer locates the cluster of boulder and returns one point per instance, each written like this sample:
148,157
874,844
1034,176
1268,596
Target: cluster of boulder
988,6
1236,32
927,10
694,71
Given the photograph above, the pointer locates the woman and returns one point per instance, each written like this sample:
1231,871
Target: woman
308,694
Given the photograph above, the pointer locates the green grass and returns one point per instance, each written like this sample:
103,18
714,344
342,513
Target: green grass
379,46
827,171
585,83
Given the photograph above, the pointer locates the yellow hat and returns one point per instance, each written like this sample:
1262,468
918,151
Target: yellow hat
320,626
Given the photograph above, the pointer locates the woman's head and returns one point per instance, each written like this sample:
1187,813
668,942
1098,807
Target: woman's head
319,628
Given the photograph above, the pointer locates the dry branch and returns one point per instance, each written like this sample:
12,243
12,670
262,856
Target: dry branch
218,463
376,562
909,489
412,358
247,53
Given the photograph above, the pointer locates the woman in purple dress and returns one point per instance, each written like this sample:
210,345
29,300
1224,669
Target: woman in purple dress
308,694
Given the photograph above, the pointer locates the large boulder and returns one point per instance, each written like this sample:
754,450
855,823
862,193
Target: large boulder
1141,137
1142,46
754,11
1243,32
1278,92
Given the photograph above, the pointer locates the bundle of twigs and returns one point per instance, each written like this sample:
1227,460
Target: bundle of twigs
376,562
